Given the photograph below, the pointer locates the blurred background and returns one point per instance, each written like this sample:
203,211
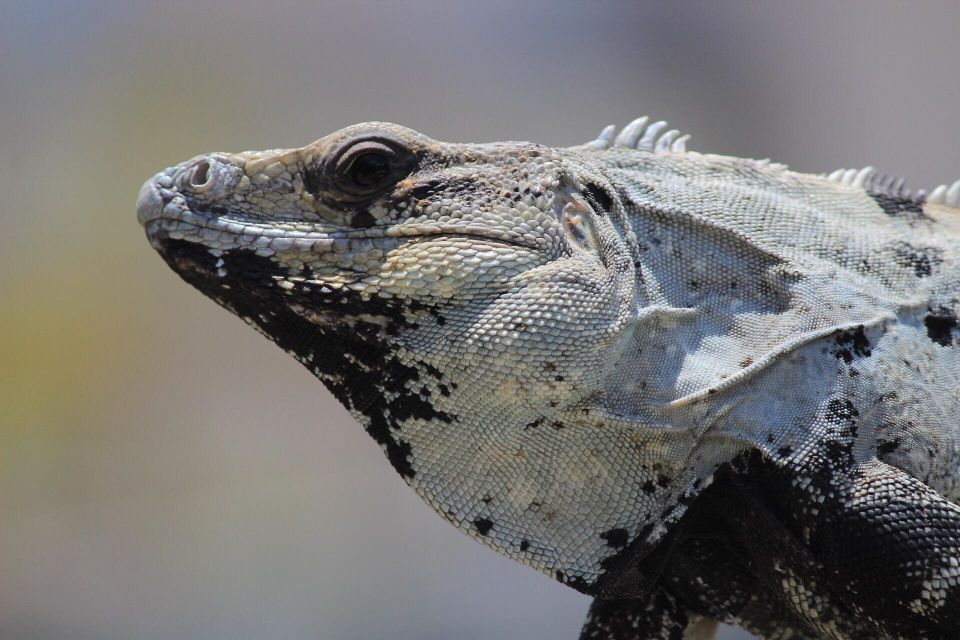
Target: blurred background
167,473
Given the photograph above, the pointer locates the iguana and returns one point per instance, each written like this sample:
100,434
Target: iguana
698,388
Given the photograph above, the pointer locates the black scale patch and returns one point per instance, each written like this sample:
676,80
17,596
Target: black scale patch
850,343
893,197
941,324
616,538
899,205
599,198
351,359
483,525
922,260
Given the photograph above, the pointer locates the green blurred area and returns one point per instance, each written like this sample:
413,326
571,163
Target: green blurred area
166,473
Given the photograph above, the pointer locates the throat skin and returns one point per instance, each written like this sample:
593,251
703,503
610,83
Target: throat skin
508,468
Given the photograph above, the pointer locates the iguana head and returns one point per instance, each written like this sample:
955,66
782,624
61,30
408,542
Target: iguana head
466,303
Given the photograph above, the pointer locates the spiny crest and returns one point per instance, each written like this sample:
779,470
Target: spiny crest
873,180
641,134
947,195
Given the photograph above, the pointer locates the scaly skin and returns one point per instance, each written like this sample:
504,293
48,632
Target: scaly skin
696,387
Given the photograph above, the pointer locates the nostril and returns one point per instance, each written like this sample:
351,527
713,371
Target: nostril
201,175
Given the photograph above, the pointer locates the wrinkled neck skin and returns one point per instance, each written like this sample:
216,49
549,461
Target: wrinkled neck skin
511,435
763,329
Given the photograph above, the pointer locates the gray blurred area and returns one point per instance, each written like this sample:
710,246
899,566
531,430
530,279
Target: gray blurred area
165,473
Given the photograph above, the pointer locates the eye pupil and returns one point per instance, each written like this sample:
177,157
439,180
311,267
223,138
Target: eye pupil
362,168
369,169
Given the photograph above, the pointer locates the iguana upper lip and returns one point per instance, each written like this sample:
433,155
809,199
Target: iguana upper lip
315,241
152,212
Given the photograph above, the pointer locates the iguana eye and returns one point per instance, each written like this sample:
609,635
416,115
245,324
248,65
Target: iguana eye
366,167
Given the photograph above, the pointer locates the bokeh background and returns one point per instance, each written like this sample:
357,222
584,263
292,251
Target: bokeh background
165,473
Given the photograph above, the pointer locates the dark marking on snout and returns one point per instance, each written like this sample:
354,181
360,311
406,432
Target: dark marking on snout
210,208
424,189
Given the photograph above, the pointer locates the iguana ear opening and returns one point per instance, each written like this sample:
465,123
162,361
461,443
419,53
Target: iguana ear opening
576,217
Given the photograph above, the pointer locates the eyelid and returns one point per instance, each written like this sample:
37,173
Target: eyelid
402,161
347,156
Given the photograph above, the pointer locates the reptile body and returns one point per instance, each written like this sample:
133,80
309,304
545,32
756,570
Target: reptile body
698,388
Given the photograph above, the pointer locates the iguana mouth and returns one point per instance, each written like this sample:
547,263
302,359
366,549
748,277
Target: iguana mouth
173,218
315,242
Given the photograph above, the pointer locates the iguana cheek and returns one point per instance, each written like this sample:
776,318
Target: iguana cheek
448,267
